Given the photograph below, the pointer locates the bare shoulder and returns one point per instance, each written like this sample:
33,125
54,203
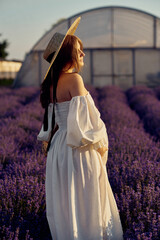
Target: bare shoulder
76,85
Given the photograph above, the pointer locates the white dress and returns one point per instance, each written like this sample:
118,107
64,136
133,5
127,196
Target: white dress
79,201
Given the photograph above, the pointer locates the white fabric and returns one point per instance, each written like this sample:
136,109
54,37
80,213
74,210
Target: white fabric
45,135
79,201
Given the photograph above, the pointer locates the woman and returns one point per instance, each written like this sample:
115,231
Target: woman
79,200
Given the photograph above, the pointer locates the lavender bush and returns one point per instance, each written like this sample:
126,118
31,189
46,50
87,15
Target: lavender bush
11,100
157,91
143,100
133,164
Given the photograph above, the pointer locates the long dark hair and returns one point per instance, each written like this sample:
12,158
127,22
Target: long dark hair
67,55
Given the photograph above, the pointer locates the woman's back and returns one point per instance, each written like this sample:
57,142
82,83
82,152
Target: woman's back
69,85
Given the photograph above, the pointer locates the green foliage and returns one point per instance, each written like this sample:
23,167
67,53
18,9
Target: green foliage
6,82
3,46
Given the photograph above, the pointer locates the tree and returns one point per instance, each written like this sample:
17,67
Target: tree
3,46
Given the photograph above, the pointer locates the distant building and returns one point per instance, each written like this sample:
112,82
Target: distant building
121,46
9,68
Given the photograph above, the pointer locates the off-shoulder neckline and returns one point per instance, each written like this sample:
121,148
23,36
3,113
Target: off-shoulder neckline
78,96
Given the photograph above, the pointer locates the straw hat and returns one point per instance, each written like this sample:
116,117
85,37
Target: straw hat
56,42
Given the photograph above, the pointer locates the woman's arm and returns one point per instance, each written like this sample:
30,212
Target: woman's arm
45,143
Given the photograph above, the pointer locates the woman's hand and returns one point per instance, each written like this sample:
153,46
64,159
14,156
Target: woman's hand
44,148
102,150
45,144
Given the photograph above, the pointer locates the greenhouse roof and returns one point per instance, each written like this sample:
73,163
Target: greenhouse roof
110,27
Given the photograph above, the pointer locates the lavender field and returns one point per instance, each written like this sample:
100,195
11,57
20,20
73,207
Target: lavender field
132,119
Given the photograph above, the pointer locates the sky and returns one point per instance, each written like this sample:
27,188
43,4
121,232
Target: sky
23,22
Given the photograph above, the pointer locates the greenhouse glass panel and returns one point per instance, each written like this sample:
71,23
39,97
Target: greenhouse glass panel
132,29
147,64
123,81
95,28
158,33
43,42
34,67
123,62
85,72
102,81
29,68
44,66
102,62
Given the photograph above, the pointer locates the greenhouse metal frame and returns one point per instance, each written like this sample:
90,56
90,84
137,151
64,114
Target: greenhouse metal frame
122,47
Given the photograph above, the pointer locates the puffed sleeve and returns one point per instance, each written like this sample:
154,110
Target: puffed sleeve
84,125
45,134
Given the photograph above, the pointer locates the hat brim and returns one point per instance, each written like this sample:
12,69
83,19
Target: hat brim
70,31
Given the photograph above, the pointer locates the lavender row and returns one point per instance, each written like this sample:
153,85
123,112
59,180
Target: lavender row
144,101
23,92
157,91
22,176
13,99
19,134
133,166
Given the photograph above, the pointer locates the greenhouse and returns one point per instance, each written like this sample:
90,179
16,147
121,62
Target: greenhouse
121,45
